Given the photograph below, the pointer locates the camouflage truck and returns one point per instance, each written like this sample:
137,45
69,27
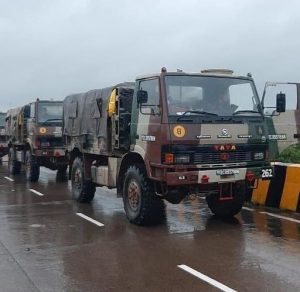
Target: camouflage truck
3,137
284,127
35,139
165,136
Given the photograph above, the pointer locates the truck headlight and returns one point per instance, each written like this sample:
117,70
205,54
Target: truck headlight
258,155
182,158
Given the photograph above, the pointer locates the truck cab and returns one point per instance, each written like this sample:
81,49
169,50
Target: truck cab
35,138
199,132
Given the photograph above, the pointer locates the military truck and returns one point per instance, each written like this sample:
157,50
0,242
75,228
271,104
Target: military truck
35,139
284,127
165,136
3,137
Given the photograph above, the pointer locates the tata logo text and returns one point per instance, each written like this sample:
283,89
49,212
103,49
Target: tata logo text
227,147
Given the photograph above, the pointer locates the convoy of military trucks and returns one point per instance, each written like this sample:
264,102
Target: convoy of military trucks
163,137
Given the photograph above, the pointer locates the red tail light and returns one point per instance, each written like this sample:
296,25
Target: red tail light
250,176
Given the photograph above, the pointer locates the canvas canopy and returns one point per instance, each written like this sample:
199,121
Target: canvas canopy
11,119
86,113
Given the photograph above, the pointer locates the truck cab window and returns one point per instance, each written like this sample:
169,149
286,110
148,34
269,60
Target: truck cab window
50,112
32,110
152,87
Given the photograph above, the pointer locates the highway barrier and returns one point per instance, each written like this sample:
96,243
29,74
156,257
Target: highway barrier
283,191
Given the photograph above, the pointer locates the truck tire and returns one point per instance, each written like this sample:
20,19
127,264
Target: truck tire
32,168
142,206
227,208
83,190
14,167
61,174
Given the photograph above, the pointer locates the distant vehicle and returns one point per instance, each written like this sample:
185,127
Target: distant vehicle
35,139
3,137
165,136
284,127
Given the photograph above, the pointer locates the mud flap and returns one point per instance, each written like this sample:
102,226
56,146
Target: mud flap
226,191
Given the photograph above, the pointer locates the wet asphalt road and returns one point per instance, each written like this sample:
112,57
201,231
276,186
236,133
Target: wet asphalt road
46,246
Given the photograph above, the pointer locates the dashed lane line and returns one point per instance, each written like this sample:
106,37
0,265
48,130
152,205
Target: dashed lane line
90,219
273,215
248,209
8,178
281,217
206,279
36,192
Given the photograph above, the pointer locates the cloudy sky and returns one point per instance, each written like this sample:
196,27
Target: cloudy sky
51,48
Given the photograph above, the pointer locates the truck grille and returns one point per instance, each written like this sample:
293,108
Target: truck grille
51,142
215,157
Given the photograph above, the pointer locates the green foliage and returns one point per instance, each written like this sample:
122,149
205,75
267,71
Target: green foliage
290,154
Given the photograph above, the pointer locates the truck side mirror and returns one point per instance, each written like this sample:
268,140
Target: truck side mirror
27,112
142,96
280,102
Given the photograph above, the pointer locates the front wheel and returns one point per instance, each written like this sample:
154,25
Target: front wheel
226,207
32,167
83,190
141,205
14,166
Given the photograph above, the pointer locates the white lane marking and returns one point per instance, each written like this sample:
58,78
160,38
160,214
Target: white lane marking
8,178
90,219
36,192
273,215
248,209
281,217
206,278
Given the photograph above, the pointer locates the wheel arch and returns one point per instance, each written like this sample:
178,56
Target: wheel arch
73,154
131,158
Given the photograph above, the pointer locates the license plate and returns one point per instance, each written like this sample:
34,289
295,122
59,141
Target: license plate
267,173
45,144
227,171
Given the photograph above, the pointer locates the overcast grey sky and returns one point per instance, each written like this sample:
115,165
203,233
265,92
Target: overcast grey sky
51,48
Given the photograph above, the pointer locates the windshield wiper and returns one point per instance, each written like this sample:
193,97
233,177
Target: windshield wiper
51,120
245,111
195,112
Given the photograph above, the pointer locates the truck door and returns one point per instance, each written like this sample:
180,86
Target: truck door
284,128
148,128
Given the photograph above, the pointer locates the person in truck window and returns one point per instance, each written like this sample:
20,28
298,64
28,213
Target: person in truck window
175,106
218,102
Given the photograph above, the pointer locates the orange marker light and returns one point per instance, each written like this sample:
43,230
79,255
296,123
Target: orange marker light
169,158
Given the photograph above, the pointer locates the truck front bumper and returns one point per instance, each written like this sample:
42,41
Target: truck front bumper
210,176
50,152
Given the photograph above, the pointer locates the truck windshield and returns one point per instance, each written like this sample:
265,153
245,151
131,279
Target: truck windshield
2,119
50,112
208,95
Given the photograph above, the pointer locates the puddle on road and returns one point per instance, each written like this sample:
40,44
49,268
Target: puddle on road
276,227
